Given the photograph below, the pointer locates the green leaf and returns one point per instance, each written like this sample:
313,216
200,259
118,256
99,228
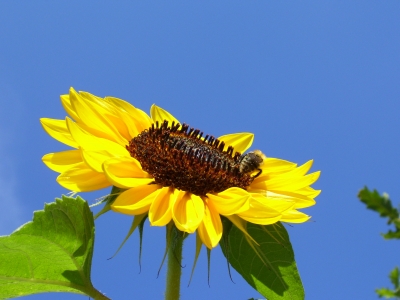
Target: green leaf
52,253
386,293
383,206
394,277
269,267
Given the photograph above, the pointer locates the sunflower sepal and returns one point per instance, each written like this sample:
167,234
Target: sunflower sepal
269,267
137,222
109,199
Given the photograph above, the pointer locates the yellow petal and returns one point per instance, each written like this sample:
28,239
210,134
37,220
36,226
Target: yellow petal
188,212
112,113
302,170
273,167
95,159
89,142
305,167
262,204
93,98
300,201
210,230
262,220
135,119
239,141
95,150
137,200
231,201
81,178
287,183
160,210
265,211
276,165
58,130
122,121
66,103
309,191
159,114
294,216
62,161
95,118
126,172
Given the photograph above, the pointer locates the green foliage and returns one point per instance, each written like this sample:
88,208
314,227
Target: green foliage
52,253
395,279
383,206
269,267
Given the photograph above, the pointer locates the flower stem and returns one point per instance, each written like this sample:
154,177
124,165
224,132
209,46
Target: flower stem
174,271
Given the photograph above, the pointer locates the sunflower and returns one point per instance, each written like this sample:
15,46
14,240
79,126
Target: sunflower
173,172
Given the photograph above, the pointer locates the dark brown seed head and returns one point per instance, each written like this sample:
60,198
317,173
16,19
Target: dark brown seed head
177,156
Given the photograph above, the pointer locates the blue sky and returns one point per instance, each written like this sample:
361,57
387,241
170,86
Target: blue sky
312,79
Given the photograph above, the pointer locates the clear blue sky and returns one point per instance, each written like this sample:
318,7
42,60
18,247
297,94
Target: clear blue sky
312,79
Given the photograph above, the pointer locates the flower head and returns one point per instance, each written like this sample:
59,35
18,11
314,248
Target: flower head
174,172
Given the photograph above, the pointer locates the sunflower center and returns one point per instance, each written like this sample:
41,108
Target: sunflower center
179,157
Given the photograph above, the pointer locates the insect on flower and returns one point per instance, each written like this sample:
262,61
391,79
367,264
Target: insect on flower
252,161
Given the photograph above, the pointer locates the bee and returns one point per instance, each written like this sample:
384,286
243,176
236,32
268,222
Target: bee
251,161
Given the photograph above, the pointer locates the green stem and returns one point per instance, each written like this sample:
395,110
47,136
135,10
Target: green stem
100,296
96,295
174,271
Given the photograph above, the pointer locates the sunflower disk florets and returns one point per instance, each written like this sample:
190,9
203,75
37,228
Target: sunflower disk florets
178,157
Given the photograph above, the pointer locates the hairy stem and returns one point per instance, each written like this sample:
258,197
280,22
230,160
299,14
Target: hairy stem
174,271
